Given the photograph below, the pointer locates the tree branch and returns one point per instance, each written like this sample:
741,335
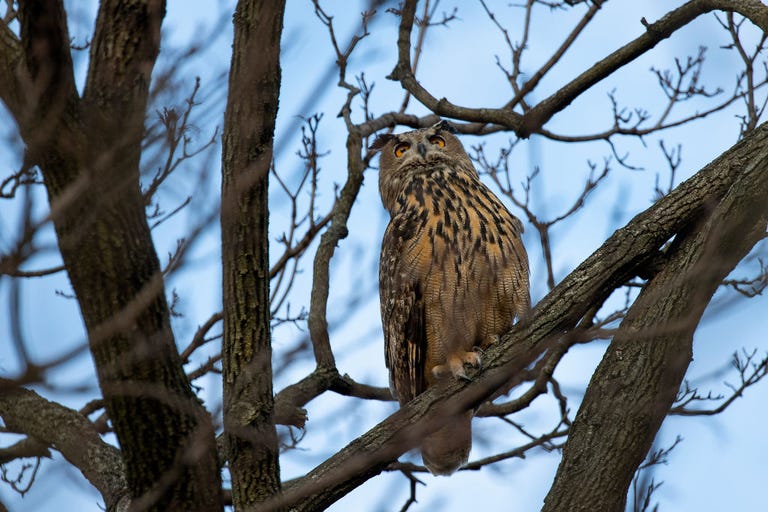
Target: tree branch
26,412
655,33
317,321
403,73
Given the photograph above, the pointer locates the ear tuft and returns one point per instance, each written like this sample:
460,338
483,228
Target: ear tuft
381,141
444,126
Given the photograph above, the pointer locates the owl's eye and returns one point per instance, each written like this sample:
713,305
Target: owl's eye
437,141
401,148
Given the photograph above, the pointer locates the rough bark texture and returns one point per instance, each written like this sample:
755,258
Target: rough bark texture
249,124
75,437
638,379
88,151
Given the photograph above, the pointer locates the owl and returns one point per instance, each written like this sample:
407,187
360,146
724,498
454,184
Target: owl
453,274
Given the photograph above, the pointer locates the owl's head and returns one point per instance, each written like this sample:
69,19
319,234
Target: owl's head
405,155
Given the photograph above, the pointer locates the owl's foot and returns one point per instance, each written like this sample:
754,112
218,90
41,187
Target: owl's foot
455,365
490,340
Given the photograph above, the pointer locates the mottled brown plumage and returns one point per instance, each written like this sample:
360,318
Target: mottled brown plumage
453,274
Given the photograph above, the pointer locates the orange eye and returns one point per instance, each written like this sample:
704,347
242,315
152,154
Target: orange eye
437,141
401,148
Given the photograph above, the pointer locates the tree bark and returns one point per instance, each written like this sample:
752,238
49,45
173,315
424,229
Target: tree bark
637,381
26,412
249,125
88,151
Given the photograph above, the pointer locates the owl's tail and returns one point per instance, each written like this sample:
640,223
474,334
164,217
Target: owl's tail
447,449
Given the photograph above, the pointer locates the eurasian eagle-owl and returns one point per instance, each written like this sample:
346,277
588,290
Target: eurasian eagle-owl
453,274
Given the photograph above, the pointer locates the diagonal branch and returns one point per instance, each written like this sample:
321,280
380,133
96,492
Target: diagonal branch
617,260
655,33
534,119
531,83
637,381
26,412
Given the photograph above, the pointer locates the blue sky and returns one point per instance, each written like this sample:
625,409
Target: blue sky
719,465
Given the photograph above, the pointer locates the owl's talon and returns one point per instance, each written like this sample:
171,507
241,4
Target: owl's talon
490,340
455,365
472,358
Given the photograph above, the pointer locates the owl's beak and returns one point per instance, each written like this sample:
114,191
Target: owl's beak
422,149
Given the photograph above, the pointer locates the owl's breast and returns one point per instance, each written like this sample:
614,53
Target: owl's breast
454,222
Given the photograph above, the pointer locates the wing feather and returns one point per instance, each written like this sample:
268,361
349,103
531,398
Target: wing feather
402,314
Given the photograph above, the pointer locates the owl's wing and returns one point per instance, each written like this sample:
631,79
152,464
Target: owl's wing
402,314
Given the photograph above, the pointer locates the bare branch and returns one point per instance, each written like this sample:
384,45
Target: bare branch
342,56
751,287
25,411
534,119
538,442
176,130
17,483
199,339
24,449
413,481
643,484
750,373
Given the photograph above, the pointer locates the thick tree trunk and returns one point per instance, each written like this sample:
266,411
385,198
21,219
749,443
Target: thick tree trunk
638,379
249,125
89,150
